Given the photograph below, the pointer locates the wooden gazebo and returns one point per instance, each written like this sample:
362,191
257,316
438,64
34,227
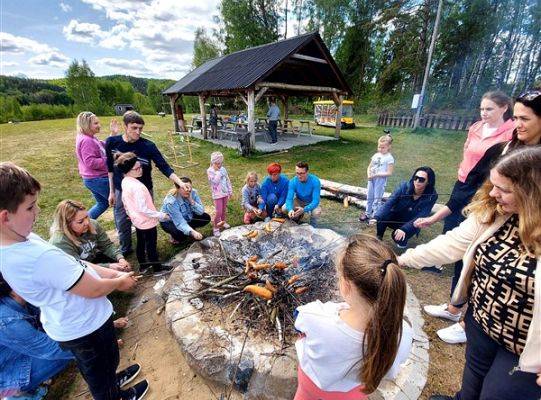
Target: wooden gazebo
299,66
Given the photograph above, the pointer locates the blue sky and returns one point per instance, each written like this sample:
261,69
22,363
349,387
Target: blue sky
147,38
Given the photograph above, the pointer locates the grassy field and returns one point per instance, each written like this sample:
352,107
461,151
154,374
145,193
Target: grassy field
46,149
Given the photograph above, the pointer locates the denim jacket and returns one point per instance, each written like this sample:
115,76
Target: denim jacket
20,341
181,211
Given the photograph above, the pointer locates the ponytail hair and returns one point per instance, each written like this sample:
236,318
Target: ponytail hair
371,266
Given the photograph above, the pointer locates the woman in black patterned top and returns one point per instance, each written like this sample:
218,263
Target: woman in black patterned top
500,244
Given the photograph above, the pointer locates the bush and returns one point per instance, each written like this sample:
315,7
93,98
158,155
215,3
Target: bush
46,111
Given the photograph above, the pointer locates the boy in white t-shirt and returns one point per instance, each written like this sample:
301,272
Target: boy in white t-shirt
380,168
71,294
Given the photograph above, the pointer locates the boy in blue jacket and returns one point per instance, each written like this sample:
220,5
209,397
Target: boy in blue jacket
274,190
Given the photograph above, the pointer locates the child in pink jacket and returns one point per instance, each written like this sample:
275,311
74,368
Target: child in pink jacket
140,208
221,189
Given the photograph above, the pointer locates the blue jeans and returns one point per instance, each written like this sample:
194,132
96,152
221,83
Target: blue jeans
382,226
376,189
487,373
42,370
100,190
270,202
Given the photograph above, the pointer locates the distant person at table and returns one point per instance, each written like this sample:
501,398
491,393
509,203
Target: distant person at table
303,195
274,190
273,116
213,121
92,161
187,212
252,202
409,201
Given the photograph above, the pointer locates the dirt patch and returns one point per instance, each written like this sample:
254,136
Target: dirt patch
147,341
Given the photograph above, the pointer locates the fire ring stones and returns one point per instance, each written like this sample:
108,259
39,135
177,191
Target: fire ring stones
264,371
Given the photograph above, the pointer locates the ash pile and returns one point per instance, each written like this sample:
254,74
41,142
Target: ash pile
230,302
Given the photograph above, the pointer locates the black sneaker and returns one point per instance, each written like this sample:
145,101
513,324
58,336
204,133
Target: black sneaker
136,392
127,375
161,268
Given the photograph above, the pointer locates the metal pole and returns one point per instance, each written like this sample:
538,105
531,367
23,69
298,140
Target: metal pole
427,67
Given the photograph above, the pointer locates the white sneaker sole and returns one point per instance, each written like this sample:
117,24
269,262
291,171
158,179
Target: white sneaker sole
132,378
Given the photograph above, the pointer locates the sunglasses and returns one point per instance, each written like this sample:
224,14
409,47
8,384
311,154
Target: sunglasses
529,95
419,178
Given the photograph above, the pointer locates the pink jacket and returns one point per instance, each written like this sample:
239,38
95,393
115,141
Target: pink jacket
139,205
91,157
220,185
476,146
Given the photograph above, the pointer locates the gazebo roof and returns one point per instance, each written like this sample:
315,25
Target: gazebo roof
298,61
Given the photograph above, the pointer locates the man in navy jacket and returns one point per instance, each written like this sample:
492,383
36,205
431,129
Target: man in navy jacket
409,201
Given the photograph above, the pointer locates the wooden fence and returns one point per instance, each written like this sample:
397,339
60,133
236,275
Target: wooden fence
441,121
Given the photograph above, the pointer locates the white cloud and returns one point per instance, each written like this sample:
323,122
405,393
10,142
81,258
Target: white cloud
83,32
65,7
136,66
54,59
8,64
21,46
161,31
17,44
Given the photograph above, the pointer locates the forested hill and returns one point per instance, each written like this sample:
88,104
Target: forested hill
25,99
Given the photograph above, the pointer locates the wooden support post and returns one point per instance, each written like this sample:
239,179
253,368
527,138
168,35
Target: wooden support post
338,100
260,94
203,116
285,102
172,100
251,117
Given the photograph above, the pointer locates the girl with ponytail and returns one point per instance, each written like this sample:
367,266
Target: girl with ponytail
347,348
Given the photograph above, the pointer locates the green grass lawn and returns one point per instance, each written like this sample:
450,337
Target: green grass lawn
46,149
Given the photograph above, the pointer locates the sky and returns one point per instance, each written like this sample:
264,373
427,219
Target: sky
145,38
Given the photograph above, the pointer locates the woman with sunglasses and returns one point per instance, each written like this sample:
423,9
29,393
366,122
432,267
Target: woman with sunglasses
495,126
500,245
409,201
92,161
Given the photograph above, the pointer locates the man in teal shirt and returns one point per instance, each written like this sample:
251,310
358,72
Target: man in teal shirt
303,195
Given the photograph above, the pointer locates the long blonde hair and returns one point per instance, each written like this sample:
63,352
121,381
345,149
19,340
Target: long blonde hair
523,168
372,267
63,216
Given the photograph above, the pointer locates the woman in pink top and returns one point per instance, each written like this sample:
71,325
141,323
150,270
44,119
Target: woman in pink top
92,161
496,126
141,210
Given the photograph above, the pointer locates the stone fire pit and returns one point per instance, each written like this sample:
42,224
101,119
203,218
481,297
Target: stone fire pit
214,337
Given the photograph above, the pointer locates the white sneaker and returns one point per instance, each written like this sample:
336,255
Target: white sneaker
454,334
441,311
216,232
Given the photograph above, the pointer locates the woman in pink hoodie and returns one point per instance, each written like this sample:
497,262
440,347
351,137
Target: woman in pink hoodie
92,161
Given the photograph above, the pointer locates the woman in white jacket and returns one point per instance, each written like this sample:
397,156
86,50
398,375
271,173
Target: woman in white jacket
500,244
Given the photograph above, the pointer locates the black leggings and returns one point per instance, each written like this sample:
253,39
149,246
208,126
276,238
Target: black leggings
487,373
147,240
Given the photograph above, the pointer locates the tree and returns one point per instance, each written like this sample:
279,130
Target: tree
82,87
248,23
204,48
